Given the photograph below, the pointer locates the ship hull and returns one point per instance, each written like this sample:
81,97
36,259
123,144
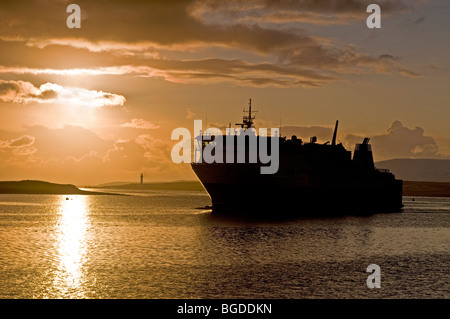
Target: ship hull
241,190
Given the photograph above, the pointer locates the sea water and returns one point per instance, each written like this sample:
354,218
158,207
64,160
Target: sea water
163,244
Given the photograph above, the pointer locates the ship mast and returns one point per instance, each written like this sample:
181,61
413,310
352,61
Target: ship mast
247,121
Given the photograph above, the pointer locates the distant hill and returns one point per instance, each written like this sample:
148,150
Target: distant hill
40,187
426,170
179,186
109,185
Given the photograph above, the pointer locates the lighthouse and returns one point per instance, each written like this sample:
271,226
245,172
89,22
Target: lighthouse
142,178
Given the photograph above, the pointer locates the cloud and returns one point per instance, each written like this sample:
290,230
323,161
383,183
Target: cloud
23,141
162,24
409,73
142,49
415,21
18,150
78,155
68,140
203,71
155,150
283,11
178,22
140,124
401,142
397,142
312,66
190,114
22,92
141,32
419,20
342,60
64,72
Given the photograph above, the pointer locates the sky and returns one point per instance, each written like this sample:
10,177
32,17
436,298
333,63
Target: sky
98,104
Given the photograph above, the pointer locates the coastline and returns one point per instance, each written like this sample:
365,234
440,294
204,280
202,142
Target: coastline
41,187
410,188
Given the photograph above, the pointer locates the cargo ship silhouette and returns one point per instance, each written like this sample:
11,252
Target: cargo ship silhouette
312,178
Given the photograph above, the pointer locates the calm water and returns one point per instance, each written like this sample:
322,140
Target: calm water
160,245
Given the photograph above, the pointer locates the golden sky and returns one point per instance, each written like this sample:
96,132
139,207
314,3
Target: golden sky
98,104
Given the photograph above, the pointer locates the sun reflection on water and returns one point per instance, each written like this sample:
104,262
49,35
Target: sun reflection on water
72,244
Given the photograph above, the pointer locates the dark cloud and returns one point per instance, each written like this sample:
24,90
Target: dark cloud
23,92
281,11
131,29
256,74
388,57
416,21
419,20
165,23
337,6
8,86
